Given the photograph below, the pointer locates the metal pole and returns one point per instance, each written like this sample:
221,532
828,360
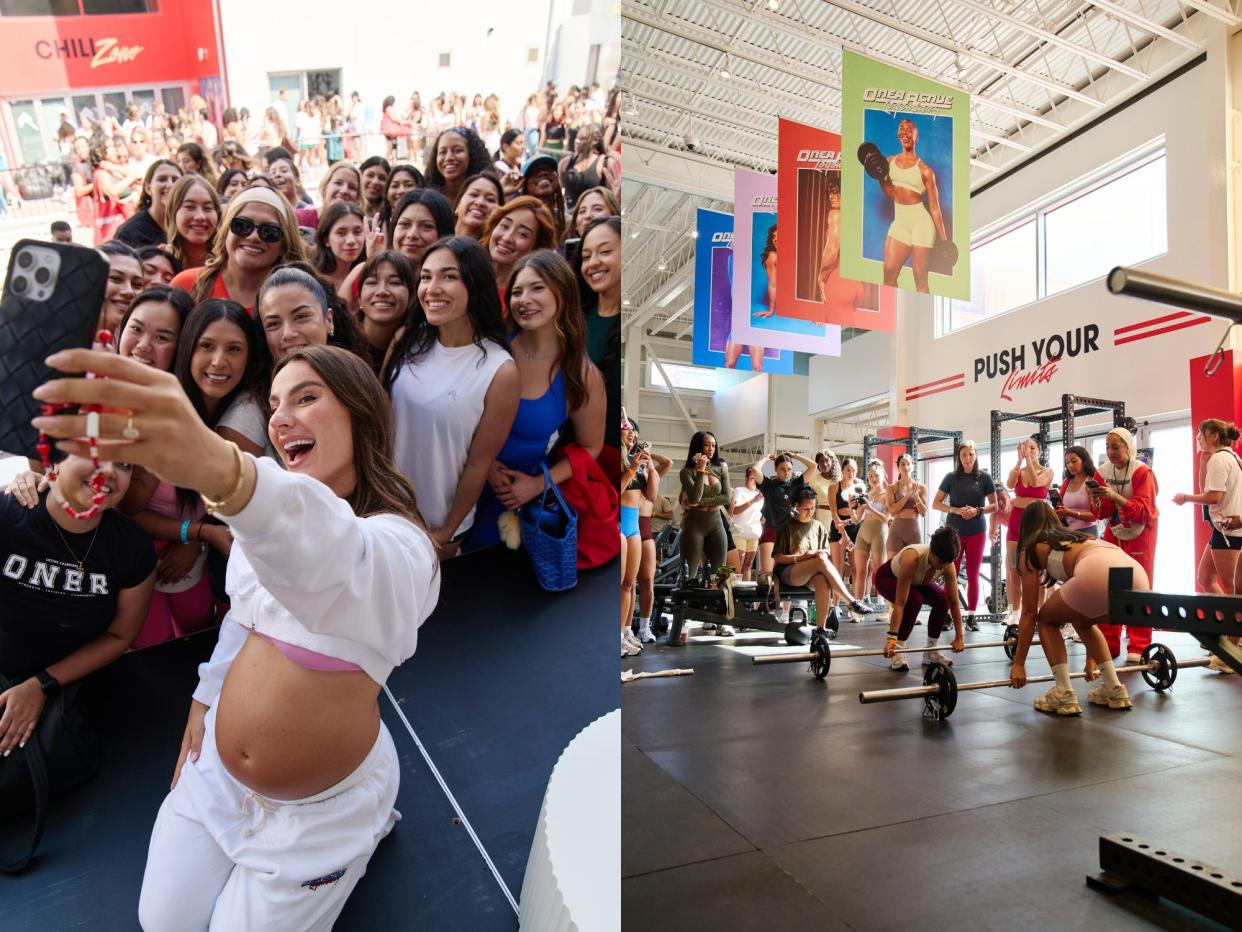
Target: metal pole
1177,292
876,652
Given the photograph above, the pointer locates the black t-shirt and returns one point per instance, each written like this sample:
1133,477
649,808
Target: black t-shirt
964,490
48,609
141,230
778,499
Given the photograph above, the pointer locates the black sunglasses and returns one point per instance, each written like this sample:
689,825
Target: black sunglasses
268,232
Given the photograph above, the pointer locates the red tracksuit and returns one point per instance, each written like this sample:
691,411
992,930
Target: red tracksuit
1140,509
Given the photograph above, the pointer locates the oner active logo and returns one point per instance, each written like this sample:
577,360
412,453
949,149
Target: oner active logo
764,200
724,238
825,160
907,101
323,881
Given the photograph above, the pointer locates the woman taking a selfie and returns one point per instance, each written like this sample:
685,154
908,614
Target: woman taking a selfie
287,773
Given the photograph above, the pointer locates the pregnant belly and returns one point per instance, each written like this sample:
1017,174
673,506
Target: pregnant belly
287,732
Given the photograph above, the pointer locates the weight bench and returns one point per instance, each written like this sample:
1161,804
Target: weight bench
754,606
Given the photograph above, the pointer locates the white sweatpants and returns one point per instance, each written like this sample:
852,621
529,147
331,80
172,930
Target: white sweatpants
226,859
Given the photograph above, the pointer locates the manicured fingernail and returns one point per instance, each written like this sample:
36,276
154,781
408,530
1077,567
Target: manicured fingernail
6,753
22,745
194,757
41,422
55,359
41,392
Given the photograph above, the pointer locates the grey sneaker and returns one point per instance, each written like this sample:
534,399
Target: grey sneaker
635,645
645,634
628,649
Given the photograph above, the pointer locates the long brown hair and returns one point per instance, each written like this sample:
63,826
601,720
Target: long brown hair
144,200
1041,525
569,324
176,241
379,487
294,250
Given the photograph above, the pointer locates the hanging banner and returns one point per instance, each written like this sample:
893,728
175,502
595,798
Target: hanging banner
756,311
905,179
811,287
713,304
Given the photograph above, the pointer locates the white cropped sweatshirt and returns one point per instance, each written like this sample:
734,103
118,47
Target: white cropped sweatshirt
306,570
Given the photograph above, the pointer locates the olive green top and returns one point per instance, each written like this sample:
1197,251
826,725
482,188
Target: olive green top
694,484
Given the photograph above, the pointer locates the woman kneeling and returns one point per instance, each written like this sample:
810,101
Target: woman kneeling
802,558
1048,553
908,580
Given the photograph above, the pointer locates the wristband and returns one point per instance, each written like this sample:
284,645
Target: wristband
892,635
185,526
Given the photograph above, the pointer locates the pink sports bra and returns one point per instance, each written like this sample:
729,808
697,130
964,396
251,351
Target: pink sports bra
309,659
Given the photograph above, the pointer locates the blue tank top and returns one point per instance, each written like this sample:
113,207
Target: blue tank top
536,421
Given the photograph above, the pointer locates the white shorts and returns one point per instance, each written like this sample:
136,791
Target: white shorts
224,858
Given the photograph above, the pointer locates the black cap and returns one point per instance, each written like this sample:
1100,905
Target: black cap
540,160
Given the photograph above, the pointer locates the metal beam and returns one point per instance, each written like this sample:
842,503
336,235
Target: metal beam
672,389
1207,7
1117,11
1052,38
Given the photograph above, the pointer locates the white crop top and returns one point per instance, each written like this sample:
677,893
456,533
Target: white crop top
910,178
306,570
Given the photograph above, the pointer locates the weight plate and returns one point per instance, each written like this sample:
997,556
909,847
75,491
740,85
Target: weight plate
940,705
1165,672
795,636
822,660
1011,639
832,633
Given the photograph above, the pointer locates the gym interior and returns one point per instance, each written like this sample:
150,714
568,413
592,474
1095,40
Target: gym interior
786,781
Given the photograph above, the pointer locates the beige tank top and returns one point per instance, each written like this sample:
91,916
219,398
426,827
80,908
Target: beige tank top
910,178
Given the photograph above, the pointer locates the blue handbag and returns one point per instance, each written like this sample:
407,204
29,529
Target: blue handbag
550,535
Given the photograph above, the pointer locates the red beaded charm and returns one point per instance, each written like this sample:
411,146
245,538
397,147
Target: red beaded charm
97,482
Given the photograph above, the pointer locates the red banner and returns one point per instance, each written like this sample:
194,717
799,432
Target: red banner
44,53
809,228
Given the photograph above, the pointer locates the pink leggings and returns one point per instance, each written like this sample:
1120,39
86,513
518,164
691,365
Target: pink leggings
174,615
973,546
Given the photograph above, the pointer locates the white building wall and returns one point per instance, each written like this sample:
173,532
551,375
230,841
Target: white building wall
394,48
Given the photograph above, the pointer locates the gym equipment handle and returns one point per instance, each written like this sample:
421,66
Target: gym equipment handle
1135,283
918,692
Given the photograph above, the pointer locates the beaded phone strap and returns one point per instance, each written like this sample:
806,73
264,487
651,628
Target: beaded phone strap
102,341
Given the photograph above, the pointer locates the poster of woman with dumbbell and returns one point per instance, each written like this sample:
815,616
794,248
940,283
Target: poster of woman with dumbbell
905,180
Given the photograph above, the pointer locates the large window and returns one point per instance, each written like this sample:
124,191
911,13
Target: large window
695,378
1117,216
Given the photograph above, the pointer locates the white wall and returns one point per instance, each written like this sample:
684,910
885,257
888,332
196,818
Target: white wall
395,49
742,411
863,370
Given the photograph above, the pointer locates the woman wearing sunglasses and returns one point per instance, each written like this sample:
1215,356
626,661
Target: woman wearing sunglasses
258,233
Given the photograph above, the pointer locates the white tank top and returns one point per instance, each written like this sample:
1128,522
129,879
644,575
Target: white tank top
910,178
437,404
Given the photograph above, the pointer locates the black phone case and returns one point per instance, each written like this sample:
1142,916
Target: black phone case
30,331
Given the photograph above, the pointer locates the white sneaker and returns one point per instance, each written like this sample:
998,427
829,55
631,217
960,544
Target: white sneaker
634,642
645,635
1058,700
1217,665
725,631
1115,697
899,662
1132,657
936,656
783,618
628,649
708,628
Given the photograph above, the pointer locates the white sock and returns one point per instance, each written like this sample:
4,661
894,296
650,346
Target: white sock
644,622
1060,672
1109,671
931,641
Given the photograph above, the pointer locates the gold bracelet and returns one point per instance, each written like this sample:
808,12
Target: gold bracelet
214,505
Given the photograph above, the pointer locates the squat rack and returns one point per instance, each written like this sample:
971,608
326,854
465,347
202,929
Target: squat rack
1072,406
910,441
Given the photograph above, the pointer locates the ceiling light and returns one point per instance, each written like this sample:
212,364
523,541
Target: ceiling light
634,235
693,234
724,73
626,302
663,267
773,5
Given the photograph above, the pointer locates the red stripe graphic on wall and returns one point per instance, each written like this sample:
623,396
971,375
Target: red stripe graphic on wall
1157,326
934,388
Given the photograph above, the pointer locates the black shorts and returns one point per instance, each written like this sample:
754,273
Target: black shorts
852,531
1222,541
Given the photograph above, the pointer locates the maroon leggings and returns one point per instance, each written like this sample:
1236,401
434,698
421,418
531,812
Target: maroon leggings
930,595
973,546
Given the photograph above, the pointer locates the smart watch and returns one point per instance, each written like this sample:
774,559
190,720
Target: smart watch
51,688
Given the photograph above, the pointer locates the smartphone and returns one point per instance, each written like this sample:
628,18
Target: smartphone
1054,497
1092,484
51,301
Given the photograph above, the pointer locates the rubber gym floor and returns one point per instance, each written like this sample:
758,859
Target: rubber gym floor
760,798
504,677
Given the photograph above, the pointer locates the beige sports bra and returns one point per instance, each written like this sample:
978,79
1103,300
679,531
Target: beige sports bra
910,178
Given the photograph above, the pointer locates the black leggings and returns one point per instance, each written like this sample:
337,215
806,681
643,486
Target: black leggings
702,532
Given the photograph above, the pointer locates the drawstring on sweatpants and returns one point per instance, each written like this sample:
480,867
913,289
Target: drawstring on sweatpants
266,805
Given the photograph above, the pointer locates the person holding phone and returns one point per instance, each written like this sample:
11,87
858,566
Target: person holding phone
287,773
1123,493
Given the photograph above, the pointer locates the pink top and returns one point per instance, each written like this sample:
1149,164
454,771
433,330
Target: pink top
309,659
164,502
1028,491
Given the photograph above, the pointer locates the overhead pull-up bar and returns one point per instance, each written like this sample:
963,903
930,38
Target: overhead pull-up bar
911,441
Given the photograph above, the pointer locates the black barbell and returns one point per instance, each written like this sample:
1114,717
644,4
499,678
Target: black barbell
940,687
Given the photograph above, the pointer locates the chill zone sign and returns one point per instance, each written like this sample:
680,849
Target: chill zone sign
1043,356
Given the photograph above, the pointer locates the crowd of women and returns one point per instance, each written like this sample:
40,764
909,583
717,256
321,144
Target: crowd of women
856,541
422,343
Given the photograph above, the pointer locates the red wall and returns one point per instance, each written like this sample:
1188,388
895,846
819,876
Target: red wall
45,54
1219,396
